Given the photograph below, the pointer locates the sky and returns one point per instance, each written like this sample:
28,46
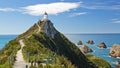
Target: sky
68,16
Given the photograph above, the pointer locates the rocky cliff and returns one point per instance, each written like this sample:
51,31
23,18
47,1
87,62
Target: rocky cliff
48,28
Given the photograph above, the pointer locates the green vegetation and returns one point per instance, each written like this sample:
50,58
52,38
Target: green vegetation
8,54
35,51
39,47
32,30
101,63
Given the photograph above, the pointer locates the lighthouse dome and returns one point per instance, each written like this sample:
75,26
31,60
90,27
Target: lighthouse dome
45,16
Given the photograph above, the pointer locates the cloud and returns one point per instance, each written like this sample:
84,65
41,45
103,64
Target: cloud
51,8
113,7
78,14
7,9
116,21
39,9
101,5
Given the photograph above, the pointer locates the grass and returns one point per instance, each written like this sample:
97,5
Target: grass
39,49
8,54
101,63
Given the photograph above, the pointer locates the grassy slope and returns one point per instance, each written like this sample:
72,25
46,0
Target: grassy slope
38,50
8,54
61,45
101,63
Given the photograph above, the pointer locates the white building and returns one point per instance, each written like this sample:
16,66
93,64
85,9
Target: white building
45,17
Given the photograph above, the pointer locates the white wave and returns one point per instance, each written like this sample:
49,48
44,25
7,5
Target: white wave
118,57
108,47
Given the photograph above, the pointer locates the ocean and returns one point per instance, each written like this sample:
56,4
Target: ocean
4,39
108,39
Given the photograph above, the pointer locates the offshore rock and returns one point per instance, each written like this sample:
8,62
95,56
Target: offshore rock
90,42
86,49
115,51
79,42
102,45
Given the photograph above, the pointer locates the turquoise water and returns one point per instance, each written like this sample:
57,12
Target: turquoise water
4,39
109,40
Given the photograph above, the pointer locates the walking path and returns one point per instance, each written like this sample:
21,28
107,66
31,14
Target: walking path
20,62
38,28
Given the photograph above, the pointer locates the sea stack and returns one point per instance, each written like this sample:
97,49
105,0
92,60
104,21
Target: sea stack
85,49
79,42
115,51
90,42
102,45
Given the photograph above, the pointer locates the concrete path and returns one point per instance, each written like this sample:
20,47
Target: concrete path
20,62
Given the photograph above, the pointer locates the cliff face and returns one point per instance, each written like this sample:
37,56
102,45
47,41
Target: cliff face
49,29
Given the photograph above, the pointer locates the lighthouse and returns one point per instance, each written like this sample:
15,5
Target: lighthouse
45,16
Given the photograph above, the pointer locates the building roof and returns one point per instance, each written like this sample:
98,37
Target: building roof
45,13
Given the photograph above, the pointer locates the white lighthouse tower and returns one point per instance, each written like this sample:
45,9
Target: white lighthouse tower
45,16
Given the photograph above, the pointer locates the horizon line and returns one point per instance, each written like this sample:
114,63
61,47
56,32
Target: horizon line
91,33
70,33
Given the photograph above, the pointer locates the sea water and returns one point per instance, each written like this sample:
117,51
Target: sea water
4,39
108,39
